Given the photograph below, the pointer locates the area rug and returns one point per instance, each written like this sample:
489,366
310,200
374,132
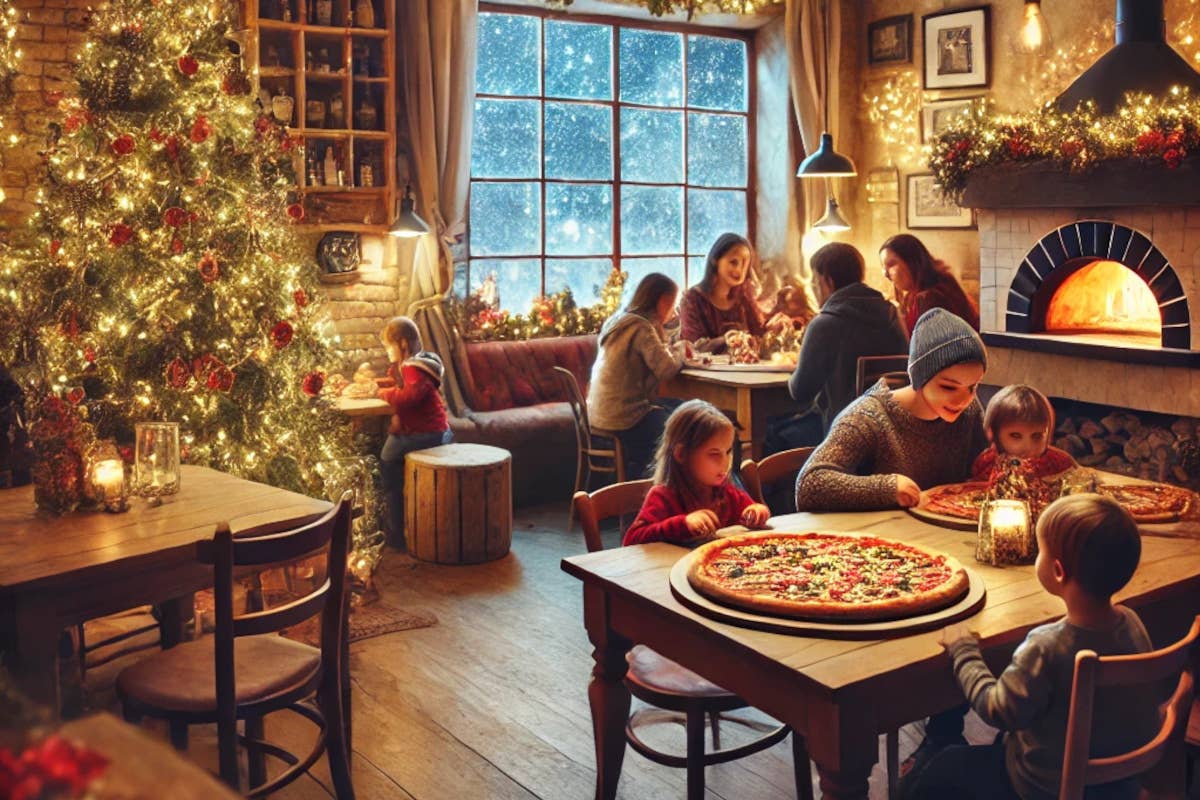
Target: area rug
367,622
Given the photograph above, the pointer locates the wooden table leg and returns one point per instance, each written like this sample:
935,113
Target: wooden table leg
844,747
174,615
607,693
35,651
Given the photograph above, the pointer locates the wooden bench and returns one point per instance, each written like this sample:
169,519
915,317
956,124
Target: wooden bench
458,503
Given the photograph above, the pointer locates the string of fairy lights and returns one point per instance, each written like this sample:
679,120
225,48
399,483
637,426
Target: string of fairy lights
1143,128
10,56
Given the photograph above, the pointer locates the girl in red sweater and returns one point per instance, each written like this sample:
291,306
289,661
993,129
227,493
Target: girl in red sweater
693,495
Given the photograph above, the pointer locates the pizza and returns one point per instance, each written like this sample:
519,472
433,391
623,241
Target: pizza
962,500
825,576
1155,502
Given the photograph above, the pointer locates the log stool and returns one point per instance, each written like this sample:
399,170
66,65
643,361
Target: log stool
458,503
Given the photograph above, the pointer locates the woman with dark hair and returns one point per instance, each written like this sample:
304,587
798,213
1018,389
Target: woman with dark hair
923,282
720,302
633,357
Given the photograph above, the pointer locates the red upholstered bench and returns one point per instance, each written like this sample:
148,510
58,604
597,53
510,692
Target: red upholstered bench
515,402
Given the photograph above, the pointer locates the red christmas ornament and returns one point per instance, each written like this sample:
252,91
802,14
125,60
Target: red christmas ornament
123,145
156,135
177,245
75,395
201,129
1150,142
119,234
210,268
188,65
175,216
281,334
74,121
220,379
55,246
89,354
296,212
300,297
1173,156
178,374
313,383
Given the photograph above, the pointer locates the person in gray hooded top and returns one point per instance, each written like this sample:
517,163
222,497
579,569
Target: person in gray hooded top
633,357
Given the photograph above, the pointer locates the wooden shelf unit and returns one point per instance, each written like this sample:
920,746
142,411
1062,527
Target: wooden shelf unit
318,63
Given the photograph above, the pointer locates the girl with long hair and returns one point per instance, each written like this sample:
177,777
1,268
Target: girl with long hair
923,282
722,302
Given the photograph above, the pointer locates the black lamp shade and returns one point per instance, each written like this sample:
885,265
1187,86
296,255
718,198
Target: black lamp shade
826,162
408,223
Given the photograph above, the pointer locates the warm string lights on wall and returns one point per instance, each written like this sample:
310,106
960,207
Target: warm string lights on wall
10,55
894,112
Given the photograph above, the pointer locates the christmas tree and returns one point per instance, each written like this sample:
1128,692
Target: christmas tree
9,56
163,279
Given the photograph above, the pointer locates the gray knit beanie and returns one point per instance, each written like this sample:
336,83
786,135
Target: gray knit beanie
939,340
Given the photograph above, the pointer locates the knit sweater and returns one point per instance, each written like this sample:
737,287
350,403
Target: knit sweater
663,517
632,359
701,321
875,439
417,406
1051,462
1031,698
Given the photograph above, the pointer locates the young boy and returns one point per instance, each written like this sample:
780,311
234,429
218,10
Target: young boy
1019,422
1088,549
418,413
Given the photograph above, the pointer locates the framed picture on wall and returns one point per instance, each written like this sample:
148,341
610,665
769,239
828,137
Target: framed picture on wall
930,207
939,115
889,41
956,48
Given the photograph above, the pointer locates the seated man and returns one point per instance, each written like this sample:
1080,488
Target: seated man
855,320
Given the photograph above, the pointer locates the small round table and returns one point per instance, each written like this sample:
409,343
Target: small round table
458,503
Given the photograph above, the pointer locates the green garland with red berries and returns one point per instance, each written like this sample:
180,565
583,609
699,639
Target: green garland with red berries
1155,130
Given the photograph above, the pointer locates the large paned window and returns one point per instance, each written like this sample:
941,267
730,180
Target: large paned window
598,142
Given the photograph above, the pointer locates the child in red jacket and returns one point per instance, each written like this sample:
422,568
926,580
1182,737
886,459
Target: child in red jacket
693,495
1019,422
418,413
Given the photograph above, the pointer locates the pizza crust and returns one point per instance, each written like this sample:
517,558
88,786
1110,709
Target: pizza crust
908,605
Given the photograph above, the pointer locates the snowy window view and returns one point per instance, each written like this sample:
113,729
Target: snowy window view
599,144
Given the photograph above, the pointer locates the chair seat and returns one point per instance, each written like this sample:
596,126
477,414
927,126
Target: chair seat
182,678
652,672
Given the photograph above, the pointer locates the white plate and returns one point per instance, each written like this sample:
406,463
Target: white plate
761,366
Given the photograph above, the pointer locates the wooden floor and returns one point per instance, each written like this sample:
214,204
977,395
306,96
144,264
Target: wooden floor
490,703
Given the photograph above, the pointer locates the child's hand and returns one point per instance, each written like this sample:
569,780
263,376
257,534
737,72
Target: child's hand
952,633
755,515
703,522
908,494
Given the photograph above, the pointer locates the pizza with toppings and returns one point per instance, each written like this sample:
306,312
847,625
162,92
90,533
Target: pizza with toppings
962,500
1155,502
826,576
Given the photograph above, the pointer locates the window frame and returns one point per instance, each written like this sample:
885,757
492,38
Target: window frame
615,182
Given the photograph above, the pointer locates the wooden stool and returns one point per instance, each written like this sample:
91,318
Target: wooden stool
458,503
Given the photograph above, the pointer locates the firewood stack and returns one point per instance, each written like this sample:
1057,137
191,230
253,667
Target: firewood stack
1126,443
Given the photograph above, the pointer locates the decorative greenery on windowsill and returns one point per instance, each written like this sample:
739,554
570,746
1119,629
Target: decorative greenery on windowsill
692,7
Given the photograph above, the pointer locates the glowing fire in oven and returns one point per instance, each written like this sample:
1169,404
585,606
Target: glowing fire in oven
1104,297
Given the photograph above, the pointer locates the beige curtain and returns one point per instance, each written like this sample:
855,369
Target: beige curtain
437,61
805,21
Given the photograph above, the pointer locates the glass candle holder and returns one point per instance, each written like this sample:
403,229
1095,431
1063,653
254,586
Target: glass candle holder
108,484
156,459
1006,535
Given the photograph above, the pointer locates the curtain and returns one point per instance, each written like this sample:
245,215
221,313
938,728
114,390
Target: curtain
437,60
804,22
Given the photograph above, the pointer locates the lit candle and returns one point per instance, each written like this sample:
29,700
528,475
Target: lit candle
1004,533
110,477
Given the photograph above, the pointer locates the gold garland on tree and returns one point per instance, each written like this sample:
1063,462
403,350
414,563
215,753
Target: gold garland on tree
1154,130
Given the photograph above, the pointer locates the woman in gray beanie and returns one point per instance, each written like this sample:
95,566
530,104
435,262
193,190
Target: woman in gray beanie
887,446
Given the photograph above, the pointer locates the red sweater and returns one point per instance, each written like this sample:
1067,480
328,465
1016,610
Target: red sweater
417,406
663,515
1051,462
947,294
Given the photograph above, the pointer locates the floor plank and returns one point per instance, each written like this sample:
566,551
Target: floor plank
491,702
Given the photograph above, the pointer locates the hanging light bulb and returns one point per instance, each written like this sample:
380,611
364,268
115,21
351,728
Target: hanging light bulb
833,221
1033,37
408,224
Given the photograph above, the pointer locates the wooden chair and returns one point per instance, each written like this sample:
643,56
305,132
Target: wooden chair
674,690
757,475
245,671
871,368
1092,672
591,458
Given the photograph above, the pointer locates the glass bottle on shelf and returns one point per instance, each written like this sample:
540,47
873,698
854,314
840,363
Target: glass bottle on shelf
364,14
367,116
323,60
286,14
337,112
282,106
366,171
311,168
324,12
314,113
331,168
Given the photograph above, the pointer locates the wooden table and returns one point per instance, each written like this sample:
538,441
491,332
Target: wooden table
140,765
57,571
368,415
839,694
751,397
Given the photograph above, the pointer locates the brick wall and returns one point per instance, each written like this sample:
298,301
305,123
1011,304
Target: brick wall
49,33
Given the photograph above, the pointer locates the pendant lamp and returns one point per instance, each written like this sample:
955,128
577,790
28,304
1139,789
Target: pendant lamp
826,162
833,221
409,223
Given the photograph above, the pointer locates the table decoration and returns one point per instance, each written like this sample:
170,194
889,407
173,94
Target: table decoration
60,437
1006,534
156,459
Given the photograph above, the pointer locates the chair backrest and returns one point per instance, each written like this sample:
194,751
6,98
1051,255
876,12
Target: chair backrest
583,429
1092,672
614,500
871,368
757,476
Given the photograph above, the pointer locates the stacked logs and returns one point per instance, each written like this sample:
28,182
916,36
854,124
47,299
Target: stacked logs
1150,447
